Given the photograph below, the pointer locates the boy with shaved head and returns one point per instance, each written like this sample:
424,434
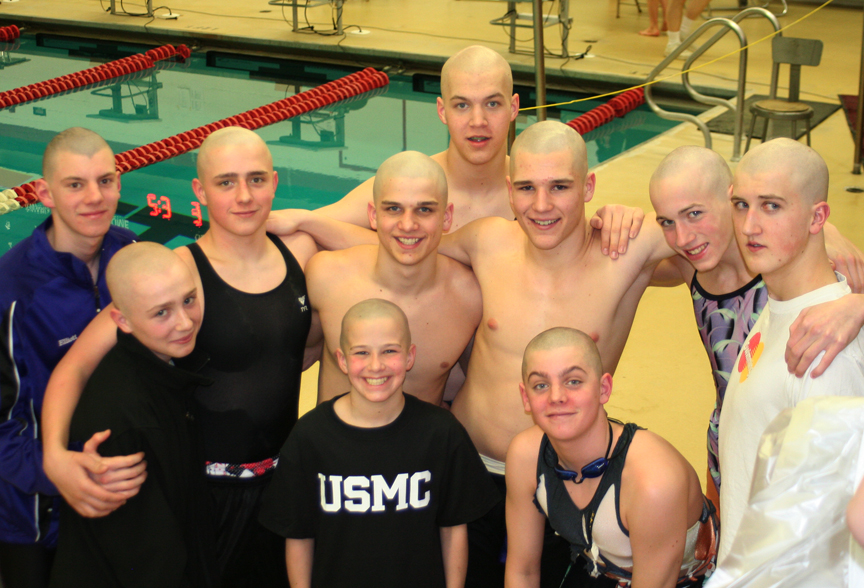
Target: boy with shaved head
53,285
545,269
410,212
375,487
690,192
138,393
779,212
626,501
255,330
477,104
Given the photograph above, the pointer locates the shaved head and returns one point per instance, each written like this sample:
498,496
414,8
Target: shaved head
134,265
695,164
472,61
374,308
410,164
559,337
804,169
549,137
228,136
76,140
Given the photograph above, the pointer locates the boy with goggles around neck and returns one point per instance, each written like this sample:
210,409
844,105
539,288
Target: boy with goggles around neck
625,499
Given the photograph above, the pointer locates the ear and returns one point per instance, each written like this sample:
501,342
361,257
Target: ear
370,212
590,183
605,388
341,360
412,354
448,216
514,107
442,114
43,193
524,394
729,192
118,180
510,194
820,211
275,180
198,189
120,320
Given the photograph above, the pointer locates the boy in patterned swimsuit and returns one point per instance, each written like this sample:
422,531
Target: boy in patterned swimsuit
690,191
635,511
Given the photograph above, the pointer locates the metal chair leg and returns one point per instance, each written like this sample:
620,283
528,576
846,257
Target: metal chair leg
750,134
765,130
808,131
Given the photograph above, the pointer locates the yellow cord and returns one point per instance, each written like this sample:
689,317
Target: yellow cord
675,75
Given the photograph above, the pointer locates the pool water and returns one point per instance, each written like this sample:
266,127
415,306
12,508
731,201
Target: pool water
319,156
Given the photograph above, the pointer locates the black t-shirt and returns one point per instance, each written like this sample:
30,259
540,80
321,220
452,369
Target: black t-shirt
374,499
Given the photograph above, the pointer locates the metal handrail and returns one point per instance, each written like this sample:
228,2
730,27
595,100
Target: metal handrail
738,110
742,70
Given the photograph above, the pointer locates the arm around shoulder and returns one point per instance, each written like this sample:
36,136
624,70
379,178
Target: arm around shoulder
464,244
73,472
352,207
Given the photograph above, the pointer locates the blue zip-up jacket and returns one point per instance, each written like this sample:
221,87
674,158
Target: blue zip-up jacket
47,298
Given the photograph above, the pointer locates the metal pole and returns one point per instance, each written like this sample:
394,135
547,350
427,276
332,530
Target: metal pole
859,119
539,63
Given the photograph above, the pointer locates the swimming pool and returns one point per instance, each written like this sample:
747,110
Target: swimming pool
320,156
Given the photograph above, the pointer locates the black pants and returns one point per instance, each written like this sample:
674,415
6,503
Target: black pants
25,566
248,554
487,551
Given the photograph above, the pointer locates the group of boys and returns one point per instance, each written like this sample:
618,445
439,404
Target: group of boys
374,487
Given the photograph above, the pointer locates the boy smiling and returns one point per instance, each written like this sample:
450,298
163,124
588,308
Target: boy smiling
375,479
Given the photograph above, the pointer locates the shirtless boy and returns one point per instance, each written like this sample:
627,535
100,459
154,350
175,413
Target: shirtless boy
256,322
690,191
410,212
639,499
542,270
477,104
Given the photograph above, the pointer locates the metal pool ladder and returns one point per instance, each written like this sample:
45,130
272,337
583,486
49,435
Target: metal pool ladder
728,24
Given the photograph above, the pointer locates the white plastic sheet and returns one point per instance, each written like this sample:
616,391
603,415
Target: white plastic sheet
794,534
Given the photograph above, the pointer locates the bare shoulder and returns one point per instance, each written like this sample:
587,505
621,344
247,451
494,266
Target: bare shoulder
335,265
301,246
647,249
524,449
458,276
493,231
654,465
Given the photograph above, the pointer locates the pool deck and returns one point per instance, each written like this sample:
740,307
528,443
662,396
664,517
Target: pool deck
666,387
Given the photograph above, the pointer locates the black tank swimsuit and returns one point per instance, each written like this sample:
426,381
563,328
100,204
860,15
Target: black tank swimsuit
255,343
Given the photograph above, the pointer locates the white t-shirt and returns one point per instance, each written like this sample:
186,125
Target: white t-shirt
760,387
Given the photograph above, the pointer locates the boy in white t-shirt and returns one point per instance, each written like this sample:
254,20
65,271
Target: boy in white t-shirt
779,209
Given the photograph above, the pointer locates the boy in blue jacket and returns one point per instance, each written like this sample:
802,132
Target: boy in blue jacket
53,285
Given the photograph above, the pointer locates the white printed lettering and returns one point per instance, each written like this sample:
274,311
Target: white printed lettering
336,488
356,500
398,490
416,480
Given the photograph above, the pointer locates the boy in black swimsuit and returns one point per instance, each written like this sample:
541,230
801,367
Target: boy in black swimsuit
638,498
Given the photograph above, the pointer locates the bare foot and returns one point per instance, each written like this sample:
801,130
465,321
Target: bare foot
650,32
